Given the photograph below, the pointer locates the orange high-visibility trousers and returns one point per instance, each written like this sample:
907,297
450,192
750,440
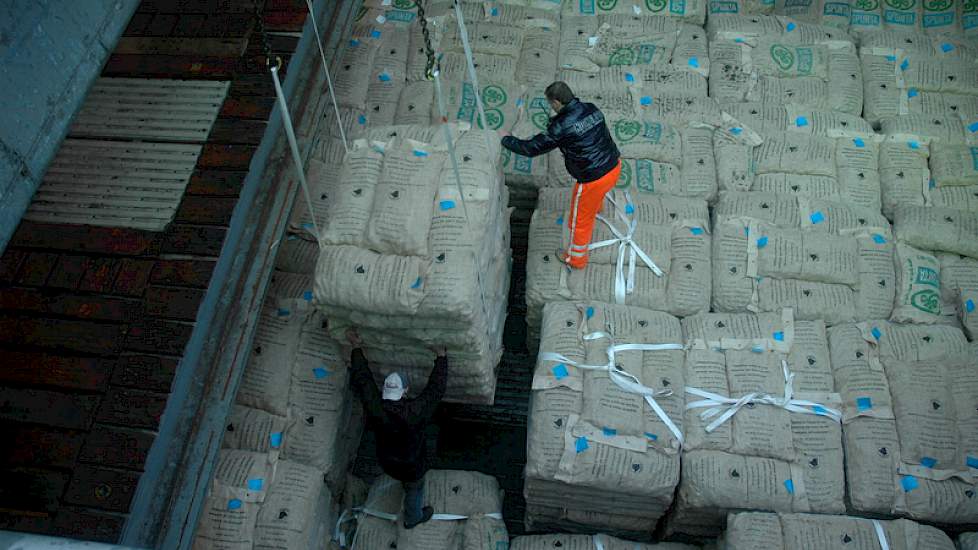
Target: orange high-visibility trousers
586,202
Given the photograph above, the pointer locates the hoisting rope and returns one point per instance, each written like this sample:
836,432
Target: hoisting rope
286,116
464,35
329,79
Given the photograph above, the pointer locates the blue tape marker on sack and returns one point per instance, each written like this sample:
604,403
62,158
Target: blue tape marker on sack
581,444
417,283
446,204
876,333
864,403
590,312
320,372
609,432
560,371
275,440
256,484
234,504
817,217
789,485
909,483
859,142
762,242
928,462
696,230
879,239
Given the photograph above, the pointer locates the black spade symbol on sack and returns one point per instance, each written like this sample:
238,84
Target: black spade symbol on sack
440,258
721,324
636,468
846,539
559,422
393,544
283,513
456,489
466,158
546,258
936,405
360,269
643,323
570,324
258,350
970,493
734,474
310,420
395,194
666,383
926,339
883,452
558,544
859,355
813,463
811,360
357,192
230,427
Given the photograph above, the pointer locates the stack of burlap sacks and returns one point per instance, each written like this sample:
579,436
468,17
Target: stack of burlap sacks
600,458
467,515
414,265
748,530
764,456
257,500
587,542
672,231
952,18
292,433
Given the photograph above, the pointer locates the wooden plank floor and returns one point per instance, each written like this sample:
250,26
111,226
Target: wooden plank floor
94,320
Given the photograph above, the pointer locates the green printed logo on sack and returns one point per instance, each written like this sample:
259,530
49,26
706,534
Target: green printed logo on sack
627,130
899,14
655,5
405,4
782,56
970,6
901,4
607,5
927,300
492,96
516,163
641,176
541,120
866,5
641,54
937,5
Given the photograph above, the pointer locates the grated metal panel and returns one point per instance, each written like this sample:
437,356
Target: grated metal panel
113,183
150,109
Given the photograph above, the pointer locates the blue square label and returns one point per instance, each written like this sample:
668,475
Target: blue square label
801,121
646,100
913,144
256,484
791,27
361,120
651,436
817,217
973,127
320,372
417,283
909,483
736,130
879,239
928,462
275,440
307,295
629,77
779,336
945,47
560,371
972,461
446,204
693,62
912,92
859,142
905,65
560,220
590,312
969,305
282,312
234,504
375,33
762,242
789,485
864,403
877,333
696,230
629,208
609,432
581,444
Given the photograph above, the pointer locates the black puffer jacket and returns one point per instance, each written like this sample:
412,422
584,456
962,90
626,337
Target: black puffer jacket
581,134
399,425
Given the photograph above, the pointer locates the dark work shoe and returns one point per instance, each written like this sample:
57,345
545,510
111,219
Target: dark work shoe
426,514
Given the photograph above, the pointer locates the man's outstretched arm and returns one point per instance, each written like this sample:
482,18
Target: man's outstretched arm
437,383
362,381
535,146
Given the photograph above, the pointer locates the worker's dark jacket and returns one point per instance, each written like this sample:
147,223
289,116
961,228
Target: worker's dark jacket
579,130
399,425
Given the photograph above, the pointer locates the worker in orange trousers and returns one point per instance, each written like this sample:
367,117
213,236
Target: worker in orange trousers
590,156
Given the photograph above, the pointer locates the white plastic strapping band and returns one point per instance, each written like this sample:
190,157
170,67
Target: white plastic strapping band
726,407
881,535
625,285
329,80
622,378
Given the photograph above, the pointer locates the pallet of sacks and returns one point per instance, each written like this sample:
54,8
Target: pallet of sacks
467,515
257,500
665,141
910,431
910,73
967,541
824,259
605,422
654,253
798,151
777,60
929,160
588,542
413,264
762,421
749,530
671,10
294,397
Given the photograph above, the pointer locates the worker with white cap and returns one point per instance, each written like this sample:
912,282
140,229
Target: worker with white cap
399,424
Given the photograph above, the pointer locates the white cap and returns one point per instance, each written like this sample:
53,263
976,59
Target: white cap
393,387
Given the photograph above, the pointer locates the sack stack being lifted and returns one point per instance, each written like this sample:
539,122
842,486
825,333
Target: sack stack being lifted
762,421
413,265
605,423
910,432
650,251
588,542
